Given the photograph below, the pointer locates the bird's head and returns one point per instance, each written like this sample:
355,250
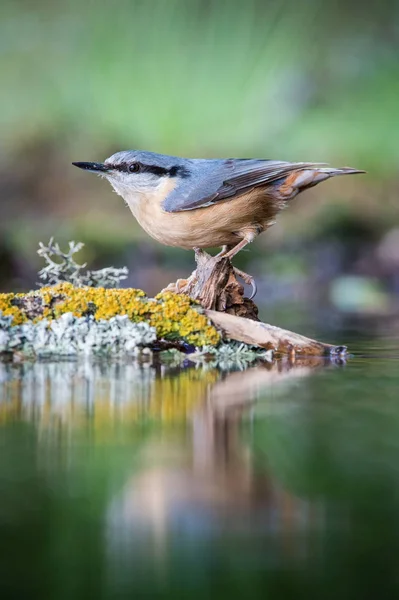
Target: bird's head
135,173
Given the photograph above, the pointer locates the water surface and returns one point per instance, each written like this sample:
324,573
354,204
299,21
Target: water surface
120,480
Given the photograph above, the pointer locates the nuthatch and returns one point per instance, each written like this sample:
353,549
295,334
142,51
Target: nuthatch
201,203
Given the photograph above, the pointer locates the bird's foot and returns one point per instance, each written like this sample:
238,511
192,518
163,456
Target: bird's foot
248,279
181,285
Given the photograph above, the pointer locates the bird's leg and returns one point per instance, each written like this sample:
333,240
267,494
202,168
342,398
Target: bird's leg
229,251
235,249
223,251
248,279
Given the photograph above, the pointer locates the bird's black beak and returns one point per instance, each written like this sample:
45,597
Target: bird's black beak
94,167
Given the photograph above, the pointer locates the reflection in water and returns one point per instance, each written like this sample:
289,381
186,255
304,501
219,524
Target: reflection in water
137,478
69,393
212,486
205,478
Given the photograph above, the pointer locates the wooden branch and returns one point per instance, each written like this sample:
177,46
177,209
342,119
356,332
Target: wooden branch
271,337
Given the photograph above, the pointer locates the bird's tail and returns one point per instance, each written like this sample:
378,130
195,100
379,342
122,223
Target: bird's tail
301,179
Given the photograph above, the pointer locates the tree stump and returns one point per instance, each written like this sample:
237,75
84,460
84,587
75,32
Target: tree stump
215,286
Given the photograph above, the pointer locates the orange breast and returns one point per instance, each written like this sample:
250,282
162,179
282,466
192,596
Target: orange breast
223,223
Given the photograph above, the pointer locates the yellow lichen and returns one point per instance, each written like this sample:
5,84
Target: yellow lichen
9,310
173,315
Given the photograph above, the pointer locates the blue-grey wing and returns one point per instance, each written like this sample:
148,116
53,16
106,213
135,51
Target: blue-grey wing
216,180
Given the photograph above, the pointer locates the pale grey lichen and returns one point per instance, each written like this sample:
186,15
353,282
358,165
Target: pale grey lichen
65,268
70,336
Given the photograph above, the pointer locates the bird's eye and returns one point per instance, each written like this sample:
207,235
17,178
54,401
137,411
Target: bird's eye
134,168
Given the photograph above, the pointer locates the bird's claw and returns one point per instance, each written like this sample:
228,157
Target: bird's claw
249,280
254,288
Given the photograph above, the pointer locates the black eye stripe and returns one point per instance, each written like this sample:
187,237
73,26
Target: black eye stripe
154,169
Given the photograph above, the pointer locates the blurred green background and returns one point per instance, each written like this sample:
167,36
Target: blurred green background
305,81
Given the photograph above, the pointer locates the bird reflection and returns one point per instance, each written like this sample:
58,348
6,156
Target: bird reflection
208,479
